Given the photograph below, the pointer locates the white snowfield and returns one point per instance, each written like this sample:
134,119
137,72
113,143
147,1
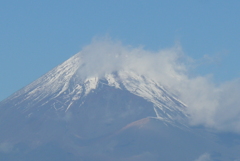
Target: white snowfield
66,79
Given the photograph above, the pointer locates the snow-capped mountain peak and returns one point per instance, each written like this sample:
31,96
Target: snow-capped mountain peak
120,114
66,81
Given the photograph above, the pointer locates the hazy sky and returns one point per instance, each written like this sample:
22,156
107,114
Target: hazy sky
35,36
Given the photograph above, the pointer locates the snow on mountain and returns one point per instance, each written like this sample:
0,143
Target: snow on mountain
66,80
119,116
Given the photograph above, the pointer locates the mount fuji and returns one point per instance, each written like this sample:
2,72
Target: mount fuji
120,116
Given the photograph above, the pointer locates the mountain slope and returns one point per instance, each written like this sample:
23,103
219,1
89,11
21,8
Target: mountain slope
117,116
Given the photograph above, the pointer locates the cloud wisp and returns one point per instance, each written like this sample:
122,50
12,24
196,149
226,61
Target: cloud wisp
204,157
210,105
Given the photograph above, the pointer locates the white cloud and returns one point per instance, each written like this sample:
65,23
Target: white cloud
204,157
211,105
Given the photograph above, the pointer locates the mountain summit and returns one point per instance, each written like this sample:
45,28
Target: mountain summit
120,115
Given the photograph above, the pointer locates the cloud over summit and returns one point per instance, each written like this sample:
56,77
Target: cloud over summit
211,105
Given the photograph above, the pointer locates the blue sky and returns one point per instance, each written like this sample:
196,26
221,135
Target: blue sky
38,35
